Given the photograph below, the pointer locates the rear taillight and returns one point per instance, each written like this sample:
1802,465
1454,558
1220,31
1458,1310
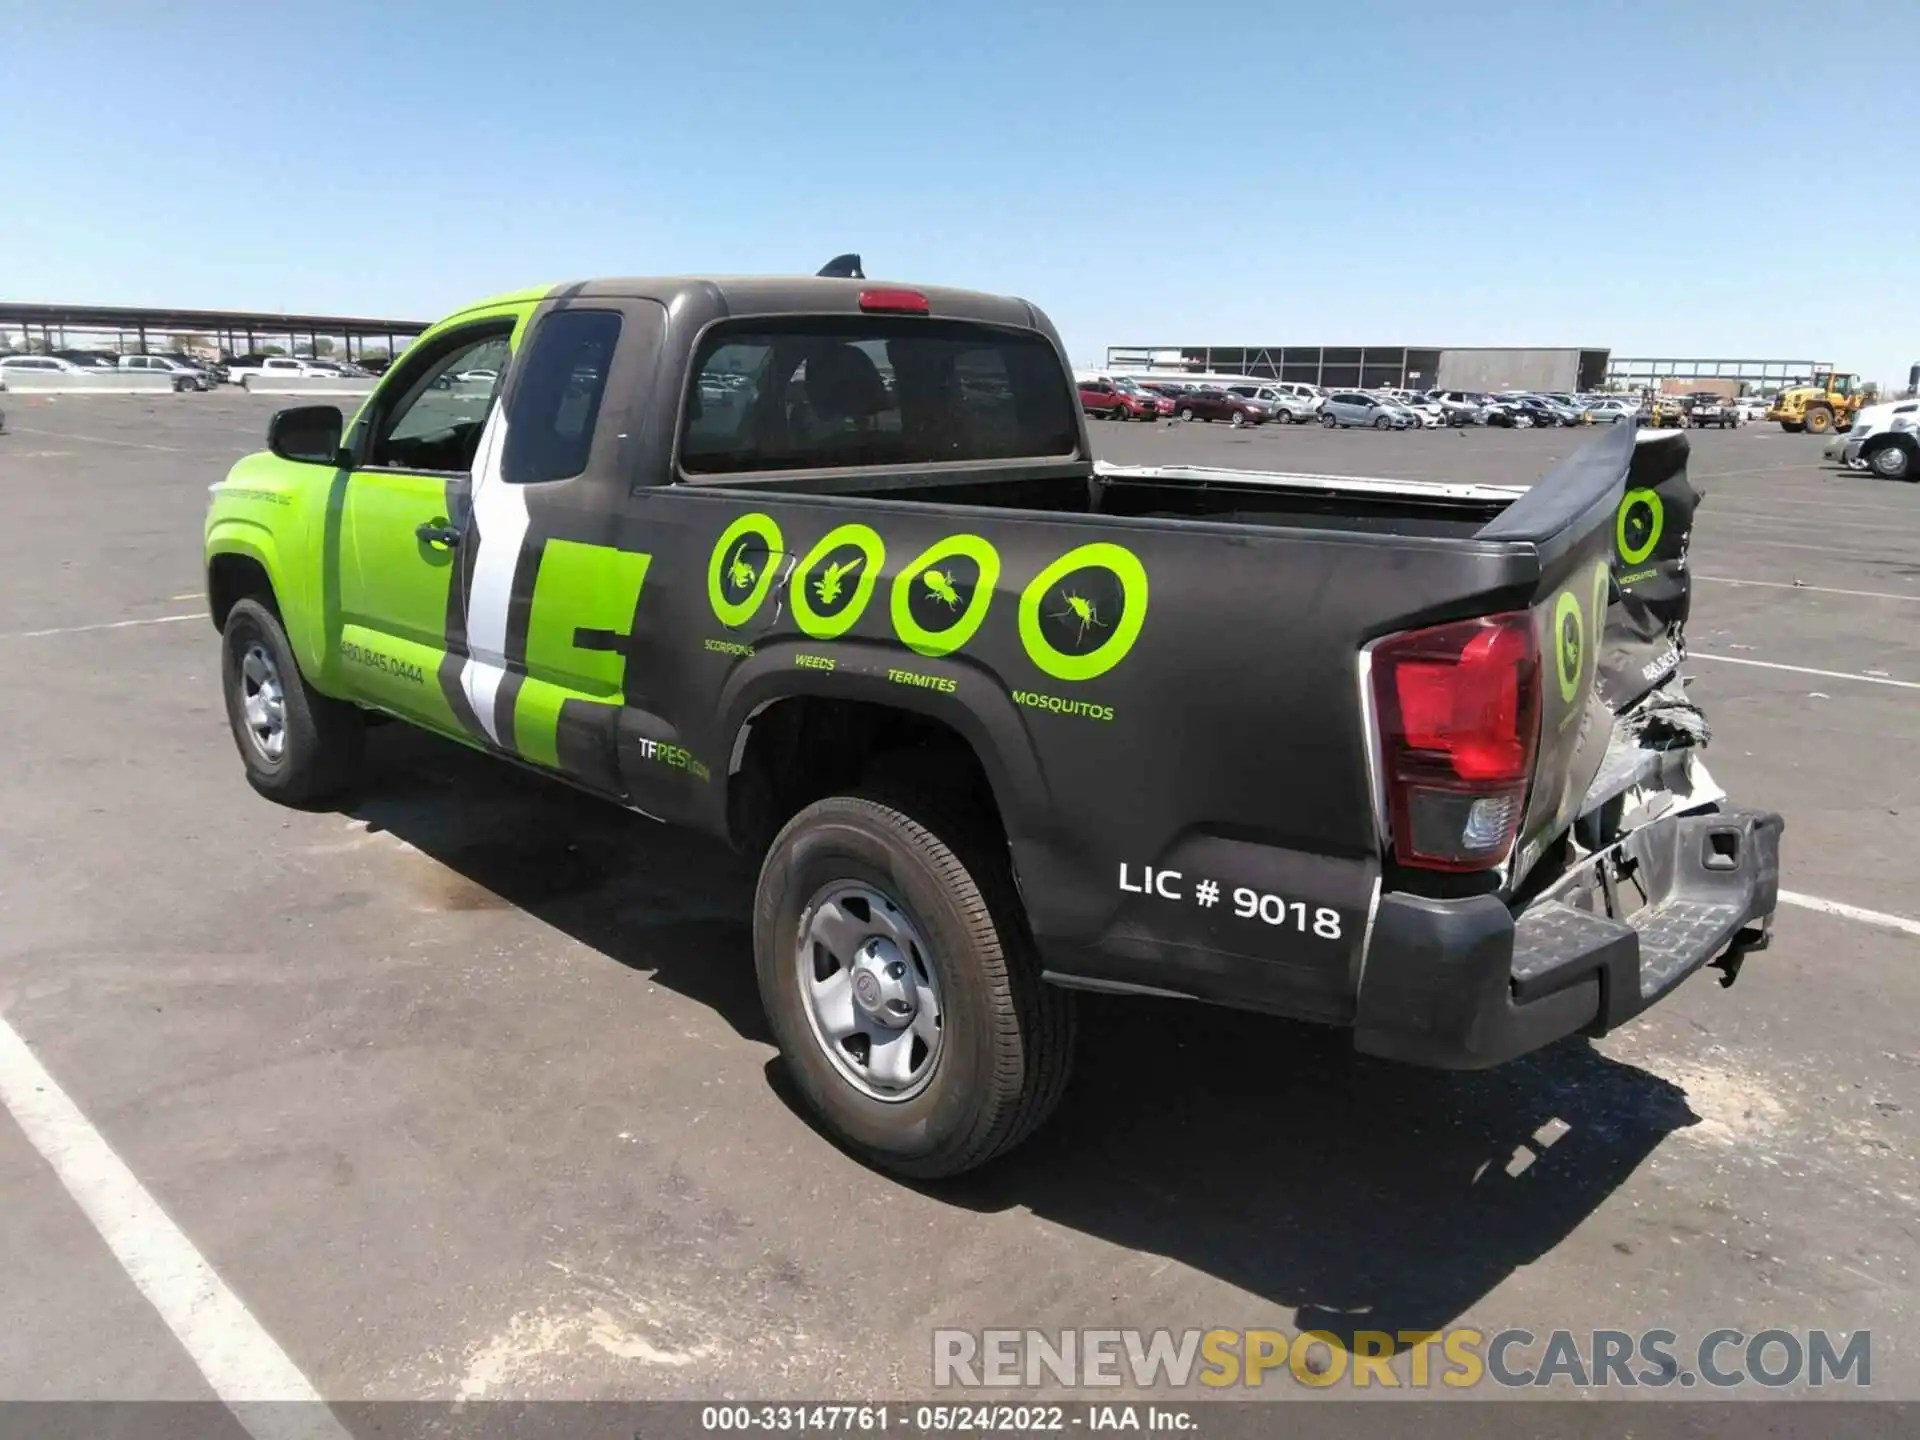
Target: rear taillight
1458,711
893,302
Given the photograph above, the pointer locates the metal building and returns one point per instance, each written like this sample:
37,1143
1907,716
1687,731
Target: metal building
1368,367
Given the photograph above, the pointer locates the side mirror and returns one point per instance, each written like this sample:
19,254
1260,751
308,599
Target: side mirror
309,434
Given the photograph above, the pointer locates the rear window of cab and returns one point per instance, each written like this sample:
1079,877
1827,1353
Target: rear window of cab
830,392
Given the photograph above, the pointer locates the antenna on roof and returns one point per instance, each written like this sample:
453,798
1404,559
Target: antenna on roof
843,267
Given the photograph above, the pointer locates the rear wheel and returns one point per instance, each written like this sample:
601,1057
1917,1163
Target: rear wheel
902,987
1186,412
1819,420
298,745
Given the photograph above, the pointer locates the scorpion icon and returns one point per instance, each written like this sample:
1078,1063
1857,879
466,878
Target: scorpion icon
740,571
941,584
833,578
1081,610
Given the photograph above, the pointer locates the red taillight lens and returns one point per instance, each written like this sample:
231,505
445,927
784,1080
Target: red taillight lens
894,302
1458,710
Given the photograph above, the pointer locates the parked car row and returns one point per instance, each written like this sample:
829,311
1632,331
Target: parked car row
1240,402
187,372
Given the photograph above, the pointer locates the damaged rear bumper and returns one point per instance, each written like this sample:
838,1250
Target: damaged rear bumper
1463,984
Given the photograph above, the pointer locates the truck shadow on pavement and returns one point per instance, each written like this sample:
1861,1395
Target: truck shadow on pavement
1365,1196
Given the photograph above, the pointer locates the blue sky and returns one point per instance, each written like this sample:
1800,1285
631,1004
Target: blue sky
1666,179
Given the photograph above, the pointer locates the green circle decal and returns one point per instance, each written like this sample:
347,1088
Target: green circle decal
924,578
1656,519
738,578
1569,643
1081,616
823,605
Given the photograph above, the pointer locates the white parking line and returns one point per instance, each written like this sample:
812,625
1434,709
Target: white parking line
1852,912
105,625
243,1363
1804,670
98,439
1816,589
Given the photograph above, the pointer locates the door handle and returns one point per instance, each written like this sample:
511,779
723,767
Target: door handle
434,533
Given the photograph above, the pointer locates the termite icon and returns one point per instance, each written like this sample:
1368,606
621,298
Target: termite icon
941,584
740,571
1081,610
828,586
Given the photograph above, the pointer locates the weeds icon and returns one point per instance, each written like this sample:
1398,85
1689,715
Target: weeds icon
1082,611
740,571
833,579
941,584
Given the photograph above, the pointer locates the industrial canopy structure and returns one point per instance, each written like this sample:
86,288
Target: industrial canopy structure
1764,377
236,331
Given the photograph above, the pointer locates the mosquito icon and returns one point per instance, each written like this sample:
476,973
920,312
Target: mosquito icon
1081,610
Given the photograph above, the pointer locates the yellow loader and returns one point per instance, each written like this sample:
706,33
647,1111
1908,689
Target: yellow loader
1827,404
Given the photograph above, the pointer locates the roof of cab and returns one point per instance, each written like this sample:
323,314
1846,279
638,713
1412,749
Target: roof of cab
739,295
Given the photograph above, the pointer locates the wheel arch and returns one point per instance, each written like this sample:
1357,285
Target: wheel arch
792,740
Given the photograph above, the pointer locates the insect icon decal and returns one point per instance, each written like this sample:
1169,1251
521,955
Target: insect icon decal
1569,643
942,594
1637,527
832,585
741,569
1080,616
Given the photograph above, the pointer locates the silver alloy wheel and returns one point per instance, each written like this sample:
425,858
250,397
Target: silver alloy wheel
1889,463
872,995
264,701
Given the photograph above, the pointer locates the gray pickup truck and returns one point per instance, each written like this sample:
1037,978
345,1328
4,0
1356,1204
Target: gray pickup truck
825,567
1706,409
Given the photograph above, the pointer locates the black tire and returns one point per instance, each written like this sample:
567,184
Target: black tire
1383,423
1186,412
1818,421
323,737
1238,419
1329,422
1891,462
1008,1036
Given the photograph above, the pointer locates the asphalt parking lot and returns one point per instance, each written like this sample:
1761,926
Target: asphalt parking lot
465,1092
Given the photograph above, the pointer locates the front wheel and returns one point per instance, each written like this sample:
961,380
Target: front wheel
1328,421
1186,412
902,987
1819,420
1384,422
298,745
1891,462
1238,419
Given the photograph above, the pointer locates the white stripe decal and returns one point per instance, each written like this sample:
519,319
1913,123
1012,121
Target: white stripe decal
500,517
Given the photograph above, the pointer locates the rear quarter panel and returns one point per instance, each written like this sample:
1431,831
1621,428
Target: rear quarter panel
1157,704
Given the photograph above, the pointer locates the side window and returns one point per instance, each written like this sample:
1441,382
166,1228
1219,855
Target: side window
435,422
563,375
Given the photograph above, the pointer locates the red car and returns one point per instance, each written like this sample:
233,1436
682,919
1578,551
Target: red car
1111,401
1215,404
